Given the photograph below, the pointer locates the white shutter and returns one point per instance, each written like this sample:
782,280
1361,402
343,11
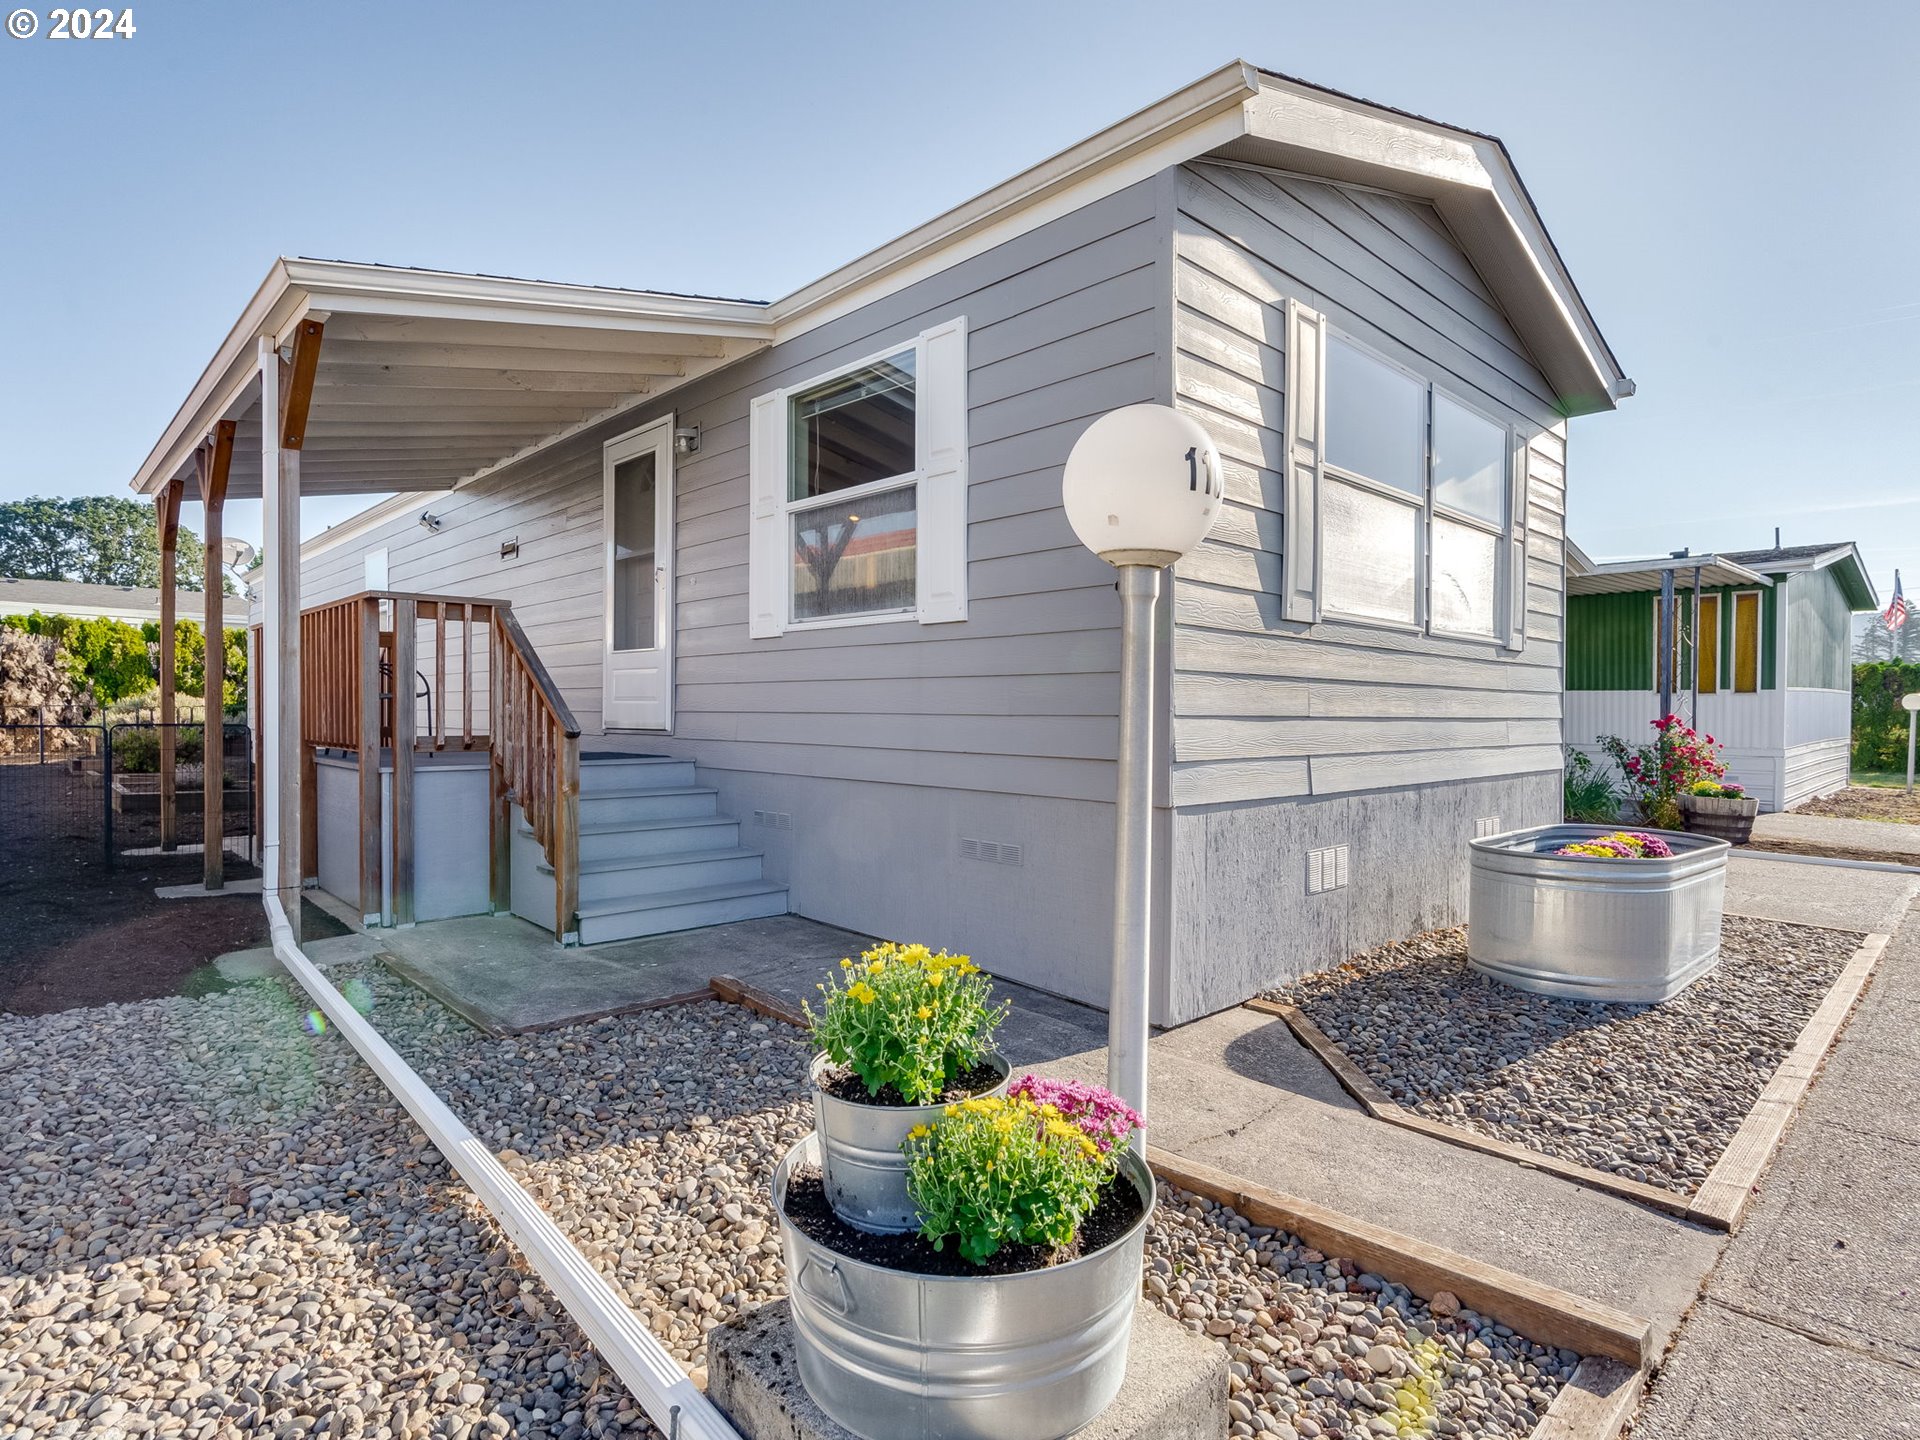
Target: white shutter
1517,548
767,577
1306,432
941,403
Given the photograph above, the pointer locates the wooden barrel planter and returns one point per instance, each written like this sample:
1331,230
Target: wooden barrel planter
1724,818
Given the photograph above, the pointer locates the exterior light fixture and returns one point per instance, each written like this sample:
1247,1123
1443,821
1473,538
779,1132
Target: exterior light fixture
429,521
686,439
1142,488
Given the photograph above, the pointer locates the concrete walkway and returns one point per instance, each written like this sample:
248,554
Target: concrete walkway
1886,841
1810,1324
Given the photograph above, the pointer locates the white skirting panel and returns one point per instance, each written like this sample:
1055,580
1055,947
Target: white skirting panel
1816,769
1749,730
1818,717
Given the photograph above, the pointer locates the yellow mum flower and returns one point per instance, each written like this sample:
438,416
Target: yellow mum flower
863,992
846,964
925,1012
876,967
935,978
919,1132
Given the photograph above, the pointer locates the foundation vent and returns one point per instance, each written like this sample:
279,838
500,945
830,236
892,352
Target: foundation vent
1326,869
1486,825
773,819
994,852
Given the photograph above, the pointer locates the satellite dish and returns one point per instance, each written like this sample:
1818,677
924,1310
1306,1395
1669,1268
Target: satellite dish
236,554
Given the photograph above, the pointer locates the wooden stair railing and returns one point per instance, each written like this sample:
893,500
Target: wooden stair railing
536,762
360,666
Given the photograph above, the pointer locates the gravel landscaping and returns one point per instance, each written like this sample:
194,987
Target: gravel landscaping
1653,1093
1320,1349
219,1224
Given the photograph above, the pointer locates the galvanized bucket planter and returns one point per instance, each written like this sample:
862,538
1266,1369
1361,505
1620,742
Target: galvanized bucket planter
864,1171
897,1356
1721,816
1584,928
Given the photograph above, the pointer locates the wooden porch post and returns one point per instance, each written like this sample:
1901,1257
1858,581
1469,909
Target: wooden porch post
286,391
371,862
215,461
406,624
167,504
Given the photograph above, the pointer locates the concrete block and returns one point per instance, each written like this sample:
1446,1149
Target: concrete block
1176,1386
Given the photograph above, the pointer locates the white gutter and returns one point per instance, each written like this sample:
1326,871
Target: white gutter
677,1408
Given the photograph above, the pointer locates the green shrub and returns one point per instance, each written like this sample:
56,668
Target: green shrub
1879,720
904,1017
136,749
1589,793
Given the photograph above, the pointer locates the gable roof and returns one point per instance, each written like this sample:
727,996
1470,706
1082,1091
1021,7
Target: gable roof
1840,556
439,321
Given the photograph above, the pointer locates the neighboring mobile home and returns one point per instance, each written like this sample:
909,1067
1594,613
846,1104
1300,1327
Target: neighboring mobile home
813,552
135,604
1758,646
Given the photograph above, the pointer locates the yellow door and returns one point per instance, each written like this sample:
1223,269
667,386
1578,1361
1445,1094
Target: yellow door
1746,643
1708,649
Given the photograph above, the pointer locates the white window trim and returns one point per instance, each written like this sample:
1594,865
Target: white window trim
939,480
1429,509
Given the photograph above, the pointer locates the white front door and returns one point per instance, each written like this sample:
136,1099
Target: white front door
637,481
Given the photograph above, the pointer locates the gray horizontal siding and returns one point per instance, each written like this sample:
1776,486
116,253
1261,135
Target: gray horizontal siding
1064,324
1263,709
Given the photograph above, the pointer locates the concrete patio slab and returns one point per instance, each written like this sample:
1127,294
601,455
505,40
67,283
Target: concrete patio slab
249,886
1836,896
260,963
507,977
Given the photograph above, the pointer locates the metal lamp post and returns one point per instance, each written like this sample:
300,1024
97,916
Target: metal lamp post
1142,488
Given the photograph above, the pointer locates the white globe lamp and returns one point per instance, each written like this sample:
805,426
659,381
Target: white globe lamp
1142,487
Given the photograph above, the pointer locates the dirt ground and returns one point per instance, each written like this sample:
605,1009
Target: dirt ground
73,932
1867,802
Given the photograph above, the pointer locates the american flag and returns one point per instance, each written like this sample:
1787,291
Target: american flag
1896,613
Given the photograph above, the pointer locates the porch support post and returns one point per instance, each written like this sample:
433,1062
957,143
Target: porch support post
215,460
371,866
286,391
406,625
1664,664
167,516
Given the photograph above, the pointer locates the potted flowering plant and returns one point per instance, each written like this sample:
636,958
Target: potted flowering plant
903,1032
1621,845
1657,774
1714,807
1007,1316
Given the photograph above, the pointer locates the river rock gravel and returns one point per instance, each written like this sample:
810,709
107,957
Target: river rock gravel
1652,1093
217,1223
1321,1350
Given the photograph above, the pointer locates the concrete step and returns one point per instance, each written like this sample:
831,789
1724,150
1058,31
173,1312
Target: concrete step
613,807
640,876
619,839
679,910
603,772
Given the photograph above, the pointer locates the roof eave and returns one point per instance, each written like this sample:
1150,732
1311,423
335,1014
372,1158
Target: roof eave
1471,180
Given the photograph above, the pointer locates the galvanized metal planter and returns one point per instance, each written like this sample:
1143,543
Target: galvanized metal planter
1585,928
897,1356
865,1173
1720,816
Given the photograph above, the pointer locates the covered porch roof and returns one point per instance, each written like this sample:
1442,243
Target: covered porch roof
428,379
1625,577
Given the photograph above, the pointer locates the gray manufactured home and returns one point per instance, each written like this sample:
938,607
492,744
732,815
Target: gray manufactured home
799,576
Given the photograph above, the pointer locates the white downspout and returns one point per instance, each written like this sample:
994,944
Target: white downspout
677,1408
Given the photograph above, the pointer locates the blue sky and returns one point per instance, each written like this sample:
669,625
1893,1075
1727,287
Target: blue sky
1731,184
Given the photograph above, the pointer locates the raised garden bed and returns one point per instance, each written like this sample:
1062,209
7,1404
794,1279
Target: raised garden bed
1651,1093
140,794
